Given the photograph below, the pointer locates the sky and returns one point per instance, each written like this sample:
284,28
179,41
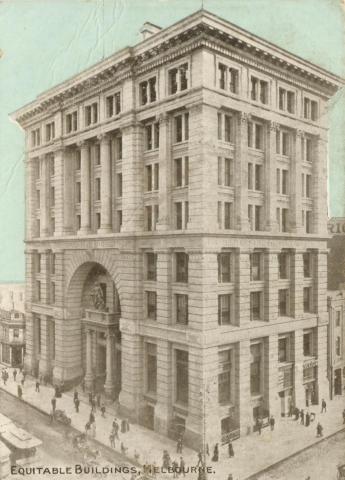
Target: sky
44,42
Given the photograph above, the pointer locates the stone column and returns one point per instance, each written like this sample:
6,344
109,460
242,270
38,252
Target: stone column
45,360
243,387
271,282
44,197
241,172
271,377
323,382
165,172
298,374
85,206
295,184
109,379
270,178
88,371
68,187
106,181
59,181
319,176
31,206
163,408
242,296
296,284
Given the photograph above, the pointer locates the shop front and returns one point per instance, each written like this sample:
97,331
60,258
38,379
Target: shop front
285,388
310,382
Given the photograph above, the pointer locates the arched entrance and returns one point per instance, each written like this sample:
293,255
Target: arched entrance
93,290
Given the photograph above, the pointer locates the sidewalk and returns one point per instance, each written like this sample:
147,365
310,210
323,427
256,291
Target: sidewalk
253,453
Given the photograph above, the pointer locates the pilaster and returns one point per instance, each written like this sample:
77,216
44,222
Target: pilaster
270,167
295,184
241,172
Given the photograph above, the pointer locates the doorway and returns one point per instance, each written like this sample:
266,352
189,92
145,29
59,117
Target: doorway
337,382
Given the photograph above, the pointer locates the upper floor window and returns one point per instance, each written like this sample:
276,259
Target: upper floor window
282,219
283,349
225,172
181,172
307,149
307,221
256,266
282,176
181,309
225,215
255,135
178,79
181,267
113,104
118,148
36,137
152,136
283,142
283,299
224,377
337,320
307,300
255,306
91,114
337,346
287,100
308,348
306,185
147,91
119,185
307,265
50,131
283,265
71,122
255,217
181,127
255,176
151,305
226,128
259,90
310,109
225,309
152,177
181,215
151,266
228,78
152,216
224,267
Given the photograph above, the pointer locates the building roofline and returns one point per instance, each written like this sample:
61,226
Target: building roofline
192,21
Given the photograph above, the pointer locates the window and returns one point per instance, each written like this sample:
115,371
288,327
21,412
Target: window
255,305
226,128
224,267
310,109
287,100
283,142
337,321
225,172
181,309
151,305
77,160
97,189
181,128
118,148
38,290
308,344
228,78
36,137
255,174
181,172
181,260
337,347
224,377
50,131
307,149
282,181
16,332
283,264
181,215
52,292
307,265
255,217
119,220
255,135
72,122
98,220
283,350
178,79
147,91
151,266
152,216
307,300
283,299
78,192
119,185
52,196
227,215
282,219
113,104
255,266
152,136
255,369
151,368
259,90
78,221
307,220
225,309
91,114
181,380
152,177
52,263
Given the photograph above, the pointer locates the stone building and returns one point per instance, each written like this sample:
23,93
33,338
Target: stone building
336,343
12,324
176,236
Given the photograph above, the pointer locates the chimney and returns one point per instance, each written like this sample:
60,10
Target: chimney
149,29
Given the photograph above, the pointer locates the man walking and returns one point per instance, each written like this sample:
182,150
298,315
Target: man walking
76,404
323,406
37,389
231,449
53,402
14,374
272,422
182,466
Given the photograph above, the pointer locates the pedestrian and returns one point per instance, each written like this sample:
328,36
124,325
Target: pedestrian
199,458
231,449
90,398
93,429
307,419
53,402
174,468
344,416
19,391
37,389
215,457
259,425
91,417
4,376
182,466
75,395
166,460
230,477
98,399
87,428
302,416
112,439
319,430
14,374
123,426
323,406
136,456
296,413
51,416
76,404
127,425
272,422
103,410
123,449
93,404
179,445
116,429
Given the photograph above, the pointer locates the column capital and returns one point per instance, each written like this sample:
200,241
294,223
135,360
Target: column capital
163,118
274,126
244,117
83,144
104,137
300,133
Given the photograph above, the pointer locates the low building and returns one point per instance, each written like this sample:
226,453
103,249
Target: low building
336,342
12,324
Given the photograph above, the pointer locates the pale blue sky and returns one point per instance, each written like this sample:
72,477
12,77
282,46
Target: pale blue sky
44,42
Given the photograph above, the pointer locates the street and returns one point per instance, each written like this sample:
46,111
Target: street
318,462
57,447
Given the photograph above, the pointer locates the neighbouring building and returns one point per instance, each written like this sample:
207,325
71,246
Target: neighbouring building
12,324
336,254
336,343
176,233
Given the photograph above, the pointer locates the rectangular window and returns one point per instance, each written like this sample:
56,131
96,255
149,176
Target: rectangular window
78,221
255,369
151,358
310,109
72,122
98,189
283,264
255,266
337,322
234,80
181,260
148,210
307,344
224,377
181,309
250,176
119,185
259,90
149,178
156,176
119,220
91,114
52,292
227,128
178,216
182,379
224,309
308,186
258,219
255,305
178,172
78,192
151,266
283,298
290,106
307,300
255,136
222,76
307,265
98,220
285,182
308,218
224,267
113,104
227,215
178,79
50,131
282,350
337,347
151,305
286,100
228,172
